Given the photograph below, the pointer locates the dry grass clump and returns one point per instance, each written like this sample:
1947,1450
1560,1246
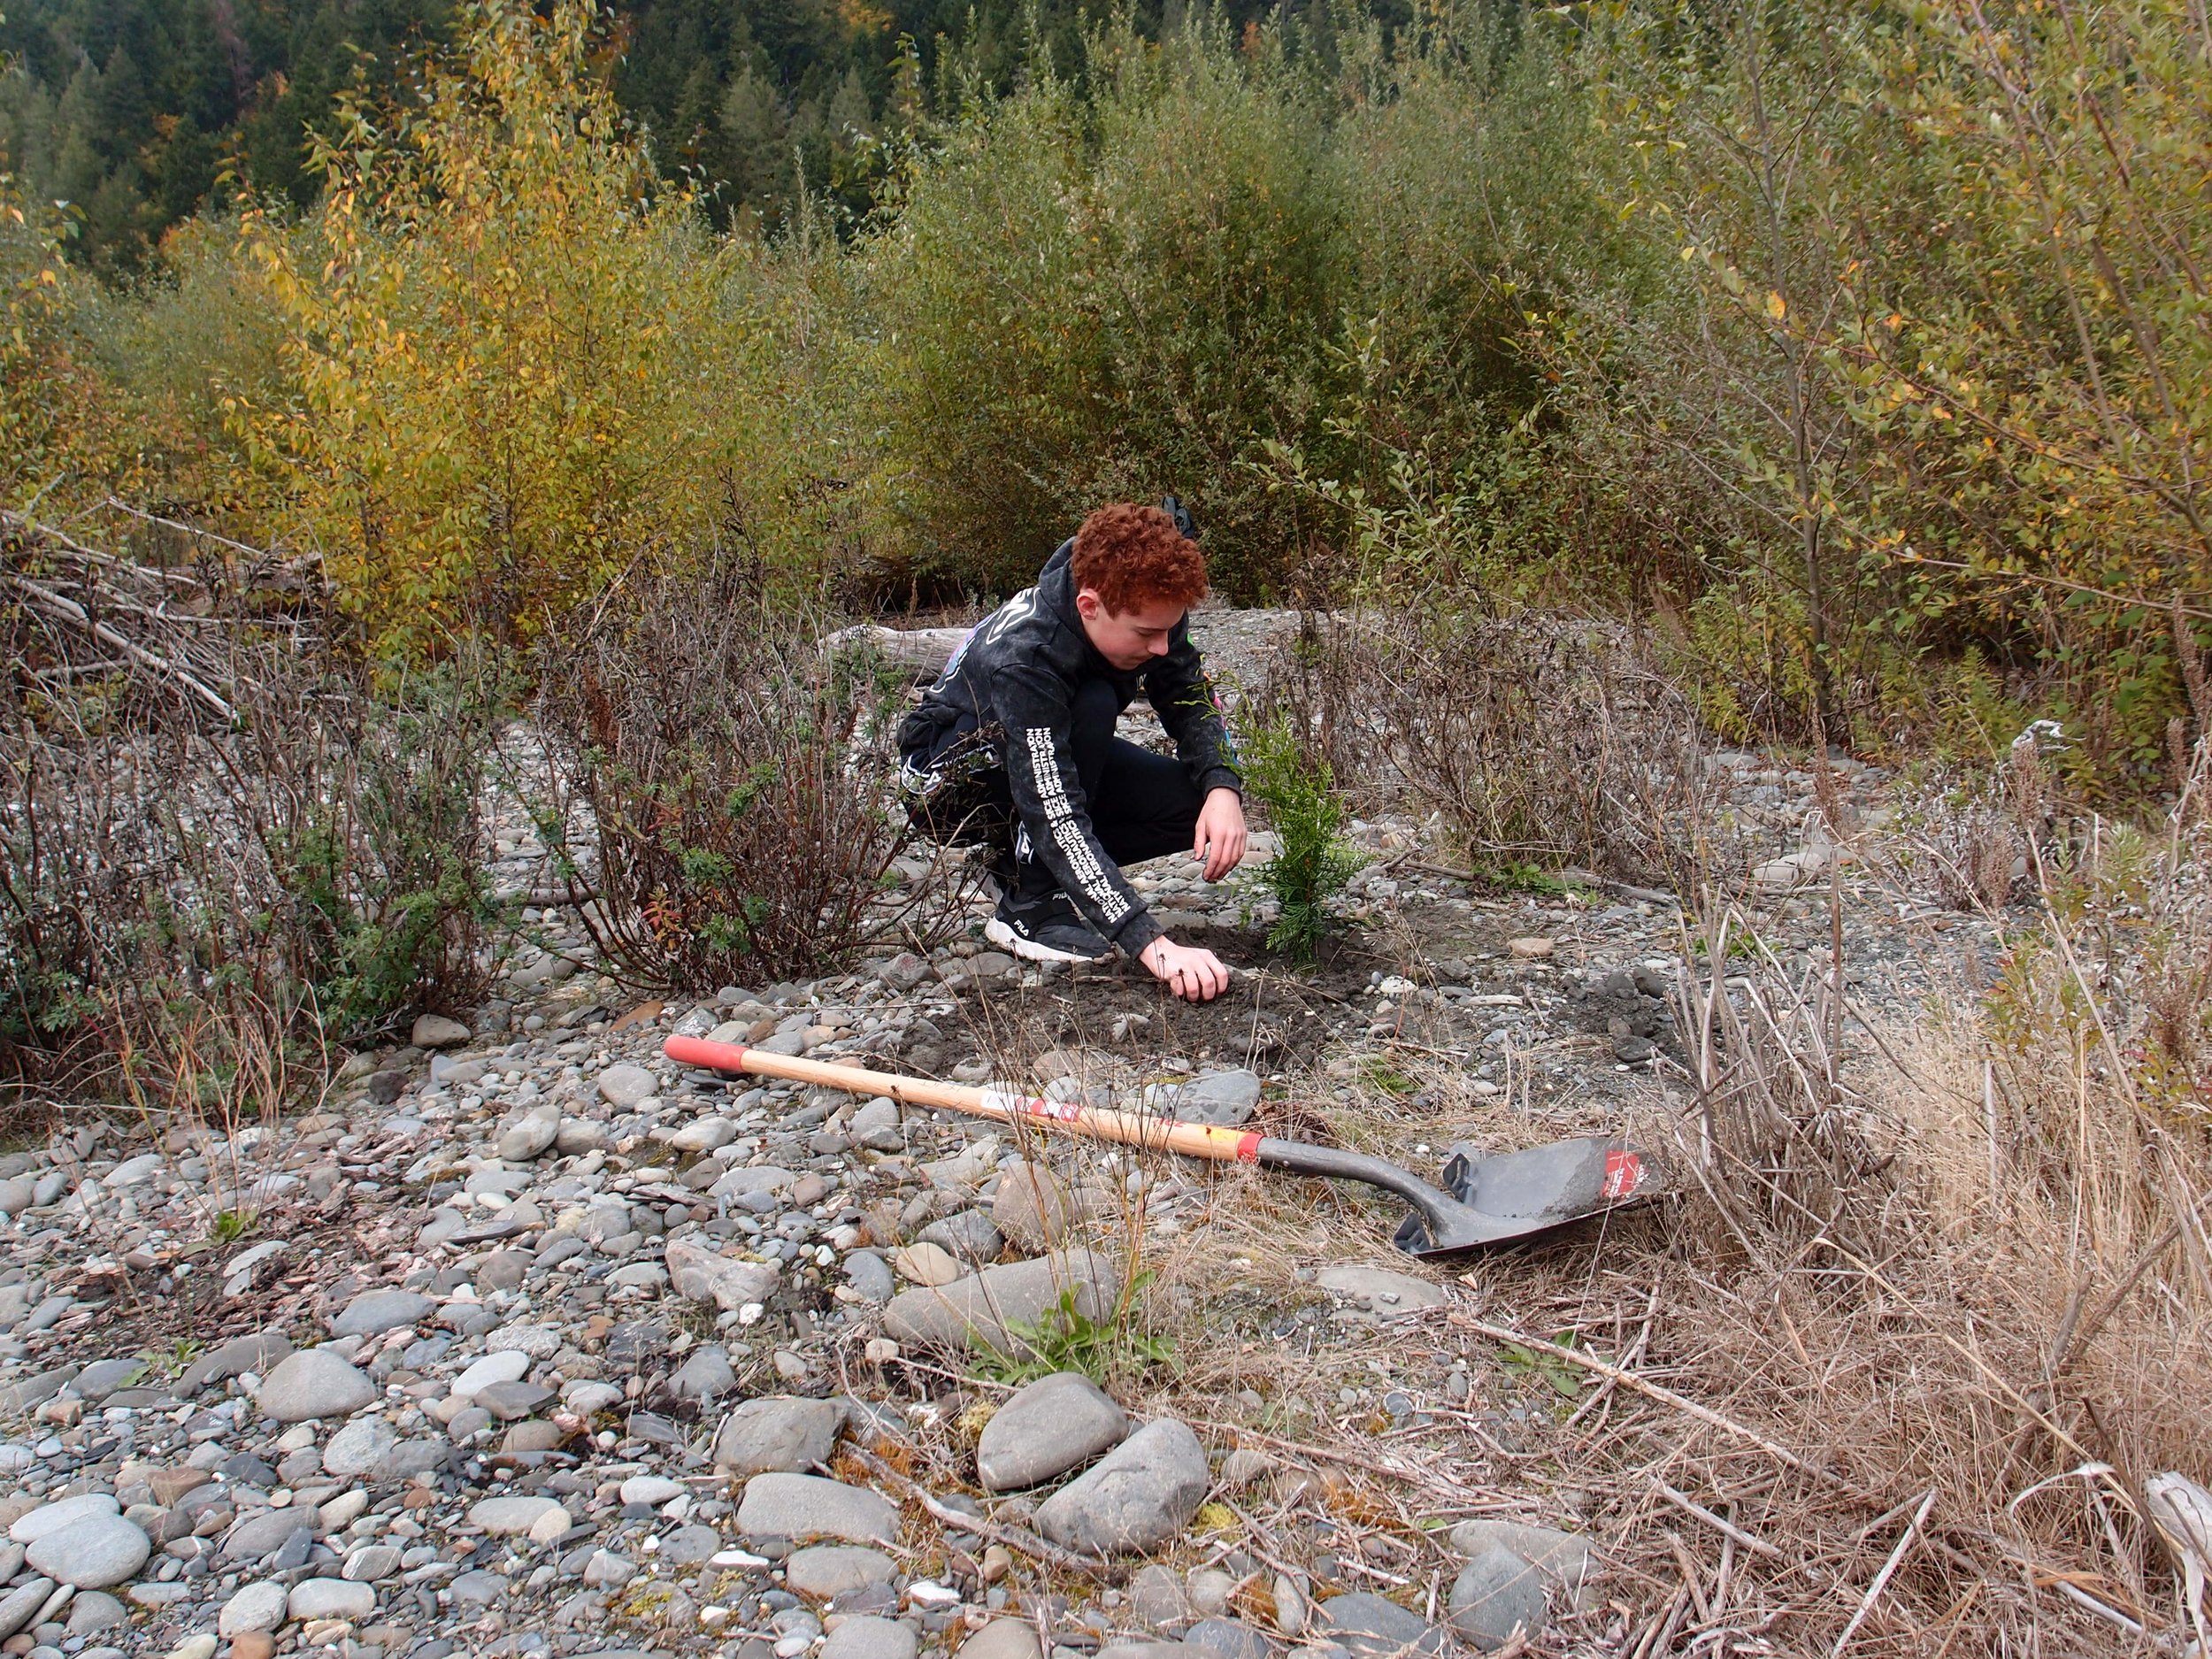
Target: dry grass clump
1949,1297
1546,741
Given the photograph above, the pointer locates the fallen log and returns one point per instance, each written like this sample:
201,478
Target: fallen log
922,652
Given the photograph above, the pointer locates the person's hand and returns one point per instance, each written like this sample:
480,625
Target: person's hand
1220,837
1194,975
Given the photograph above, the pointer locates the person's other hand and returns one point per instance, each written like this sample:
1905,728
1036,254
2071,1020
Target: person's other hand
1220,837
1194,975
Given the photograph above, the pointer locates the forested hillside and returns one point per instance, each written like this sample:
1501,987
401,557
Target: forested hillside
135,109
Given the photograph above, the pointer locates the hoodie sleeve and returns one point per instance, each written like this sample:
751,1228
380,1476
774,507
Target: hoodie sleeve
1181,693
1032,704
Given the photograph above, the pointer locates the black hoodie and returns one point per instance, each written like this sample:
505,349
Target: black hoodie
1013,680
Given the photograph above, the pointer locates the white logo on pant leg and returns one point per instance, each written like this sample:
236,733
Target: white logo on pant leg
1067,834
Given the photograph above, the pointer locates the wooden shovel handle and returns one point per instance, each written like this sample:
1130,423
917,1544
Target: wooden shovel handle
1130,1129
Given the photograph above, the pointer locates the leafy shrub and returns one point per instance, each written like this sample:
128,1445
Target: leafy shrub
1102,296
177,352
736,782
43,403
385,894
1471,207
1298,789
518,360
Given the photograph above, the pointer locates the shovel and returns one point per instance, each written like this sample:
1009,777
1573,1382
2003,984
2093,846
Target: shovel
1489,1200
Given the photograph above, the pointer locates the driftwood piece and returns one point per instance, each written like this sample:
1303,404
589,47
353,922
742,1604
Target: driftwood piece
922,652
70,611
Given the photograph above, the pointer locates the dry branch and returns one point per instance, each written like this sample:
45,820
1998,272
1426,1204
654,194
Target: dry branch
1649,1390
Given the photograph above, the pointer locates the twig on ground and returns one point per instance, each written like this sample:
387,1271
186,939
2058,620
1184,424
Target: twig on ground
1651,1390
1012,1537
1882,1578
1726,1528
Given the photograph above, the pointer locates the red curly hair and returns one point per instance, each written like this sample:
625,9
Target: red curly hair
1131,555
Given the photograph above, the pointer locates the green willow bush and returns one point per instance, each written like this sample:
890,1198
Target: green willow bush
1935,351
1109,290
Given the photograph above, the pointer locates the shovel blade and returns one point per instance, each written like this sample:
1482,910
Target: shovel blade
1504,1197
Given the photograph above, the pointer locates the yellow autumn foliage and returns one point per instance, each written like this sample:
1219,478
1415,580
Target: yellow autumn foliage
519,361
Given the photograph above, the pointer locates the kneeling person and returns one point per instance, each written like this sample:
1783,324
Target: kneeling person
1014,747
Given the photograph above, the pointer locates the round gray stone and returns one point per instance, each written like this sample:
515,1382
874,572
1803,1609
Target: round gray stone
1565,1558
436,1031
373,1563
373,1312
968,1233
95,1610
777,1434
21,1604
623,1086
1047,1429
313,1383
359,1447
1496,1594
801,1506
1002,1638
524,1141
827,1570
91,1554
330,1598
1226,1098
1369,1627
1142,1495
52,1518
870,1276
510,1366
261,1533
516,1516
1226,1638
255,1608
871,1638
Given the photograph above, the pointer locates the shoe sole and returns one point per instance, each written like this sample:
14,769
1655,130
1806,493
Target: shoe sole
999,933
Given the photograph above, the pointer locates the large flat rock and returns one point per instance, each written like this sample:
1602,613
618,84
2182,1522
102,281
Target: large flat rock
1049,1427
801,1506
976,1311
776,1435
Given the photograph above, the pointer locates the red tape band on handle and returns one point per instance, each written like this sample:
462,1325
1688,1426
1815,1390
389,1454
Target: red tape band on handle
714,1056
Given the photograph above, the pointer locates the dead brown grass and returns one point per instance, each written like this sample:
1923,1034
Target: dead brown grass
1957,1271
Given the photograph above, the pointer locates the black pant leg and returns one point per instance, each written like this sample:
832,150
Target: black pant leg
1142,804
1145,805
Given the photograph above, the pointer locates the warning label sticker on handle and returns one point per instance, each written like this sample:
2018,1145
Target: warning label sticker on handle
1624,1174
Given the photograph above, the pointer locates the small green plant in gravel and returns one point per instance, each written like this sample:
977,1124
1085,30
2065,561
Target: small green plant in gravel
1299,790
1518,877
1067,1339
